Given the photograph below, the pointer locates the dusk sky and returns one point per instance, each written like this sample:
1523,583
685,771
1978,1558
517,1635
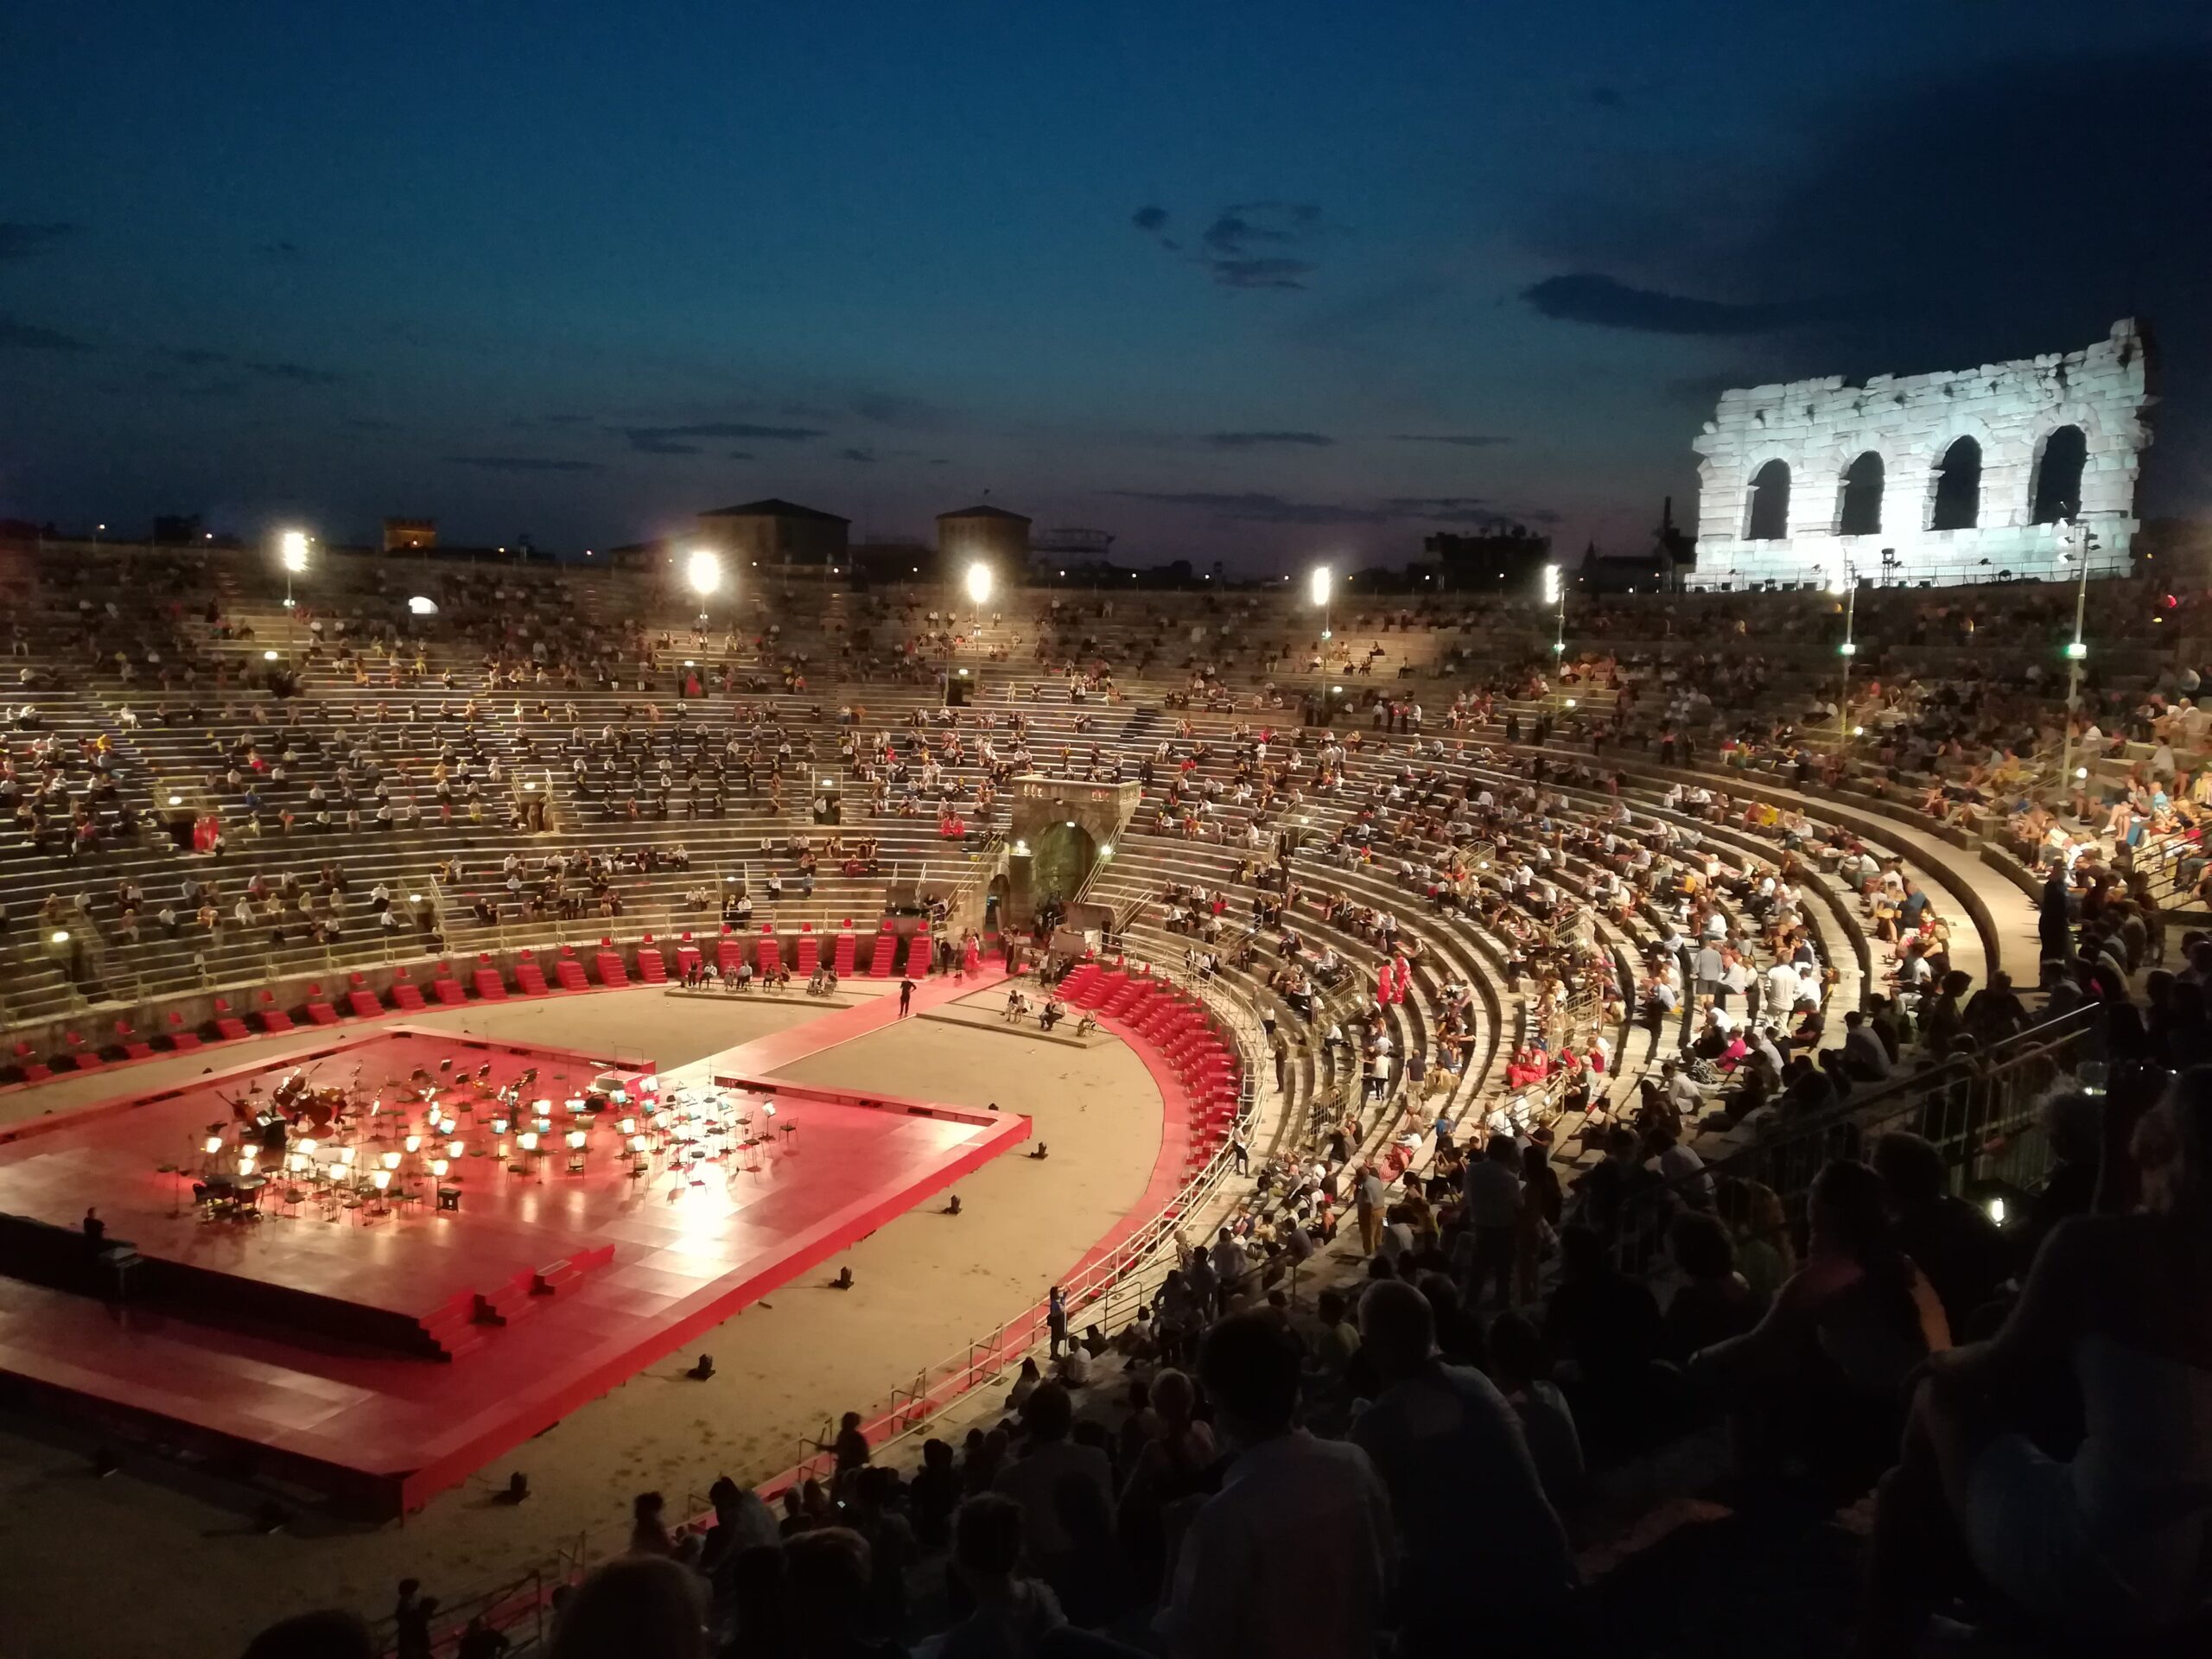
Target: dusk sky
1248,281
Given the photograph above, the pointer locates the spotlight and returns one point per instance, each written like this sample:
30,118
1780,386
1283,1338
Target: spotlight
703,1369
844,1280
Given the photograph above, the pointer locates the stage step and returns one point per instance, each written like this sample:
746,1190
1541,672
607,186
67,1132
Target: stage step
449,990
530,978
364,1004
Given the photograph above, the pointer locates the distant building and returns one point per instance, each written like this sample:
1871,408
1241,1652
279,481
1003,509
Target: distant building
988,533
1508,559
888,562
409,535
1070,548
774,533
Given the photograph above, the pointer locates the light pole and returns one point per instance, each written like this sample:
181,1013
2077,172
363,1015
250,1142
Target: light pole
702,571
292,553
2077,652
978,583
1846,581
1320,587
1556,595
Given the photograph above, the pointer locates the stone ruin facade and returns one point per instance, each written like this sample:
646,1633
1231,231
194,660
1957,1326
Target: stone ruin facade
1940,478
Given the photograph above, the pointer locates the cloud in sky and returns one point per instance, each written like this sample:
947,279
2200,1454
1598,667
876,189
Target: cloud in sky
524,464
1593,297
857,455
678,440
1252,506
1262,507
298,374
1269,440
1457,440
896,409
32,337
20,239
1252,245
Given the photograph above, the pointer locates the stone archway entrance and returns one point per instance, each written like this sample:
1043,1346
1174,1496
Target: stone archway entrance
1061,859
1058,830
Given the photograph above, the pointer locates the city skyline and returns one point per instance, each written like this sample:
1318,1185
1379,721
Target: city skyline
1253,286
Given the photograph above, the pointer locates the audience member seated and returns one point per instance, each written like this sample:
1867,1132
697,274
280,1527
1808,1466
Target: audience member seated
2109,1540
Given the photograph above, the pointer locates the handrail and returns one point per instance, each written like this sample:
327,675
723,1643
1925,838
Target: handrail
1092,1290
1973,1107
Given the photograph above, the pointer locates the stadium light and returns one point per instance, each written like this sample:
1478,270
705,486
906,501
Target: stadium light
979,584
703,570
1556,594
292,554
1841,579
422,604
2075,539
1320,587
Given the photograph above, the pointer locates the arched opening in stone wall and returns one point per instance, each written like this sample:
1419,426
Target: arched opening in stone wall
1958,487
2057,491
1860,511
1768,519
1060,862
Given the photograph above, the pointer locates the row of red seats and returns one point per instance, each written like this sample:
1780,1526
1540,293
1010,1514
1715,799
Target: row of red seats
607,965
1163,1019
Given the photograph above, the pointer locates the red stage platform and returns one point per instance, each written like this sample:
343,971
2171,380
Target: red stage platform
381,1357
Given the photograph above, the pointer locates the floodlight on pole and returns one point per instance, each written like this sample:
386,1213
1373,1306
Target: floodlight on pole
2074,531
978,582
422,604
703,570
1840,581
1320,587
1556,594
292,553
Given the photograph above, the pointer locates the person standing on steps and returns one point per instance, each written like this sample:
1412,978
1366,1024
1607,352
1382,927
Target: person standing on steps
906,997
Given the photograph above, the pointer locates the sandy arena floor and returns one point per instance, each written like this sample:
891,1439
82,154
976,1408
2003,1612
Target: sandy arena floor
924,1284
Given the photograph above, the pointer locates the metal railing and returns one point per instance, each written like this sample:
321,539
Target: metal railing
1107,1293
1980,1110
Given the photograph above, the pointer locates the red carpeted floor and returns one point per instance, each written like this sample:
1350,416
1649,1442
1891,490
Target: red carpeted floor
285,1358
